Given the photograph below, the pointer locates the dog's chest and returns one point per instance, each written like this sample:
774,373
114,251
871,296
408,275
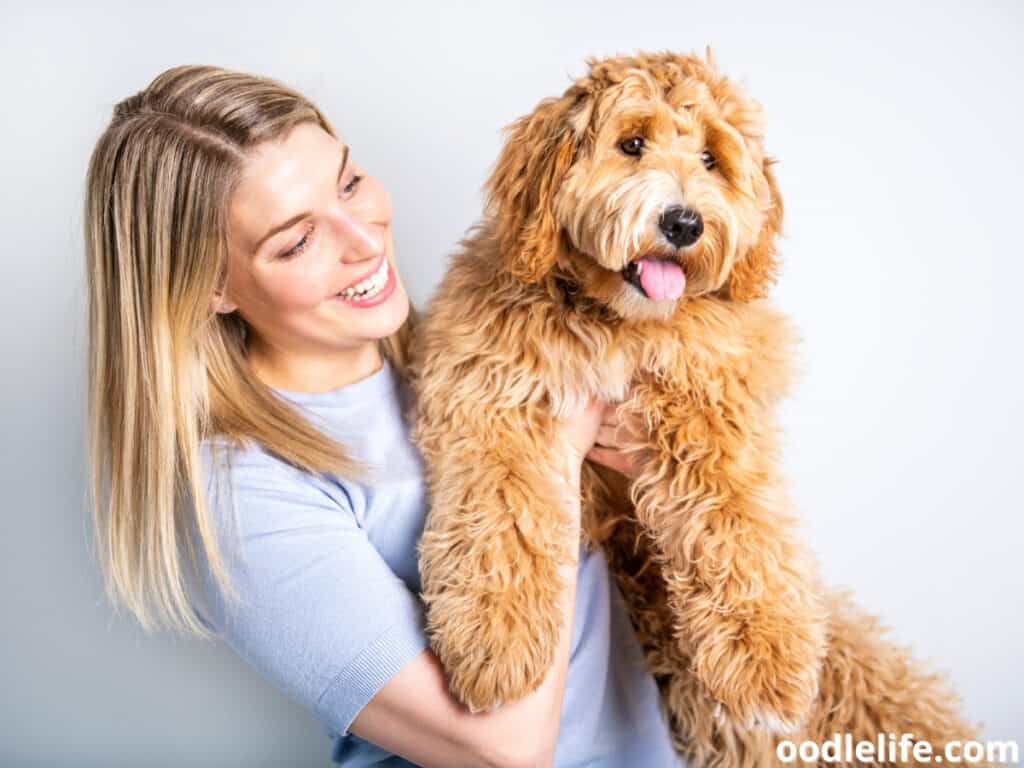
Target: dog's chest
696,340
573,381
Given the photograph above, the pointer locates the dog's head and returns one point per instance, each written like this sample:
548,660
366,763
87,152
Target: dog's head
645,182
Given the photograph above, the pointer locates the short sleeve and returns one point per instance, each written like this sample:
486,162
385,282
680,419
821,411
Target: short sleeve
319,612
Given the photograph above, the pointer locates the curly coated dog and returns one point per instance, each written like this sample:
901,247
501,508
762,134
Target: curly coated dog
627,249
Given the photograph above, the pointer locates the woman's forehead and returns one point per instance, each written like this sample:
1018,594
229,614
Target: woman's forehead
279,178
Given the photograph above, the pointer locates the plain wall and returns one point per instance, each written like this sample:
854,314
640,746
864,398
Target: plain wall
897,128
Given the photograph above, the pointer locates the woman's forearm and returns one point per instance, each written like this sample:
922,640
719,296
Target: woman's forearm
560,668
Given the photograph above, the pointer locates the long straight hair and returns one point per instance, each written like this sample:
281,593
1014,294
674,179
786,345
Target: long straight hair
165,371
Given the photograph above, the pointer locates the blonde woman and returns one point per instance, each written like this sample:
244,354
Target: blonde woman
252,472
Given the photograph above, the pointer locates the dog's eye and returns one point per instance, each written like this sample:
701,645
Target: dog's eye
708,159
634,145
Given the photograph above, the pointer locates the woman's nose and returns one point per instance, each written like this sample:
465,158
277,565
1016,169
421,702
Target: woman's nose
358,238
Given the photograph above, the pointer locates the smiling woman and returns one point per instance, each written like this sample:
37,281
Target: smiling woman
164,227
253,475
321,283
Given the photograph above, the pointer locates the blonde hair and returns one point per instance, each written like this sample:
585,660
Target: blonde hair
165,372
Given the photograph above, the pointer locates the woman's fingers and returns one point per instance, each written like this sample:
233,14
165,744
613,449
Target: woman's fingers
607,448
607,435
580,427
608,418
612,433
613,459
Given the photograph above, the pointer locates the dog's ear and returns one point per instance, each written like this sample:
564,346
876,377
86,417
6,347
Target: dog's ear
539,150
757,270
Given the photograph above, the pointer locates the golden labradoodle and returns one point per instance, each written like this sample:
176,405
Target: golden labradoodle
626,251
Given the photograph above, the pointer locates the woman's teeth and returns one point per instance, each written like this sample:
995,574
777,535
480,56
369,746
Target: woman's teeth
371,286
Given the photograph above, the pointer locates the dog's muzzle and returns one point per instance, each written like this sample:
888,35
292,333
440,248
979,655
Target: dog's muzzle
662,277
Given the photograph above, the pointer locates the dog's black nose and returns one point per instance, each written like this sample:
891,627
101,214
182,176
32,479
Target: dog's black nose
681,226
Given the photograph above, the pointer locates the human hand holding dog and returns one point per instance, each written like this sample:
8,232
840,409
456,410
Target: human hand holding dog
597,433
612,436
579,432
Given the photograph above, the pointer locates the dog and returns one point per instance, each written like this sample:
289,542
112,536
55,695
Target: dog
627,250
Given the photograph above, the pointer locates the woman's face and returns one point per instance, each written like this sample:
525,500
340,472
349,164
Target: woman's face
307,229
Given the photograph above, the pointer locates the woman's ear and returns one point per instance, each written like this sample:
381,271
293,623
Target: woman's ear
221,305
755,272
539,149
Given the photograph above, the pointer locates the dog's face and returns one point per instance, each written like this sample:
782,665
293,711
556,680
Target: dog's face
645,183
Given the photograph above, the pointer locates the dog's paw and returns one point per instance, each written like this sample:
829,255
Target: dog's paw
486,688
501,661
496,647
758,720
757,686
766,710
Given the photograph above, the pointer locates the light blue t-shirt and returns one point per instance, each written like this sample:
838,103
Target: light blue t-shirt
326,570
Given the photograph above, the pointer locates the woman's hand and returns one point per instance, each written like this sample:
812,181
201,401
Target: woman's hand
580,429
595,433
578,432
612,435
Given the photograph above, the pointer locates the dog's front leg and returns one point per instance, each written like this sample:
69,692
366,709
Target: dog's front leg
742,586
496,533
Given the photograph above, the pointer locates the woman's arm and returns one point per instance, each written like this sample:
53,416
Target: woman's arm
323,617
415,716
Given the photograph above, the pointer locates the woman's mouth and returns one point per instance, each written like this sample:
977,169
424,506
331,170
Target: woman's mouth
372,289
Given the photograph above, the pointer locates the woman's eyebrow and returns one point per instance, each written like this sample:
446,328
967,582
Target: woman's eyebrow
299,216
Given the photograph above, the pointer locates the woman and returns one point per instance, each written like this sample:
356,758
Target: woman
252,473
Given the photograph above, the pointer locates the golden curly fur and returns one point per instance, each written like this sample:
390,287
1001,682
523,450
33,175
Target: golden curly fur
536,313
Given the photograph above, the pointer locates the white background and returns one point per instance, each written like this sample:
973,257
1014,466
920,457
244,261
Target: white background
897,127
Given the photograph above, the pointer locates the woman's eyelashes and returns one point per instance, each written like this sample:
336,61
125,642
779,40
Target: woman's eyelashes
300,246
351,187
347,191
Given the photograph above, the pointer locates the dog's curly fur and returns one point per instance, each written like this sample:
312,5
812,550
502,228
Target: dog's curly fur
535,315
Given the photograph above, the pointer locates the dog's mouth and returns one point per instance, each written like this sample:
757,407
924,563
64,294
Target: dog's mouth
656,278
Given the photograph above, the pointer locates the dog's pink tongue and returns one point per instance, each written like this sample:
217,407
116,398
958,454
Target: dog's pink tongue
662,279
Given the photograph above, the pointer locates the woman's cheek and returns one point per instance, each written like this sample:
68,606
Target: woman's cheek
377,203
307,284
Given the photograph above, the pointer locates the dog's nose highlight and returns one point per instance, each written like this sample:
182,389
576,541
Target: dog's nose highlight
681,226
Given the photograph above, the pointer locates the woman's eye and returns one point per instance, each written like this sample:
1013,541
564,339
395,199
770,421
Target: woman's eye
709,160
634,145
299,247
349,188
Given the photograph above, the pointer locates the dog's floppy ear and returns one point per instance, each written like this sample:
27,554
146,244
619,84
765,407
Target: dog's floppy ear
756,270
539,149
